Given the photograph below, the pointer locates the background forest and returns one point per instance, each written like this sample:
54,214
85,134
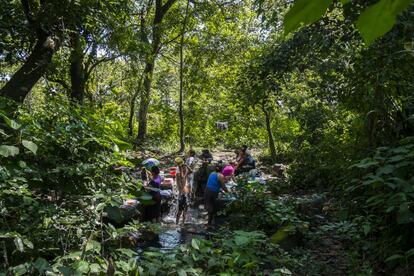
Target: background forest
325,87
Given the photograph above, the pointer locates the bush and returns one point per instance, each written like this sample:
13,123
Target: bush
383,192
235,253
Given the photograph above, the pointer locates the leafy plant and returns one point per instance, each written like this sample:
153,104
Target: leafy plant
237,252
384,189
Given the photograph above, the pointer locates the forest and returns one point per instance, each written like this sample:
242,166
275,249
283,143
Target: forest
321,92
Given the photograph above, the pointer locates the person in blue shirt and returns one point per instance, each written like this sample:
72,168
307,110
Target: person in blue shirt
216,182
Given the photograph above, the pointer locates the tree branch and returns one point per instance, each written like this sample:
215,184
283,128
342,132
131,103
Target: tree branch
59,81
93,66
171,40
167,6
27,13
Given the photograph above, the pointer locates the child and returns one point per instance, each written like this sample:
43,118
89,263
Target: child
190,163
180,178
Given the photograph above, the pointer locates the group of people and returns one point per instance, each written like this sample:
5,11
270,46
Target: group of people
185,184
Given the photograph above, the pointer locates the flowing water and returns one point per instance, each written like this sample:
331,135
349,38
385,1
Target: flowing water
173,235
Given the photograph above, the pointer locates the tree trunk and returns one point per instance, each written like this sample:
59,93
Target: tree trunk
180,110
145,99
22,82
131,114
160,11
271,140
132,108
77,70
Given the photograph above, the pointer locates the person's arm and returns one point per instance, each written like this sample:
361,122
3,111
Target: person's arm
241,161
223,183
183,170
188,170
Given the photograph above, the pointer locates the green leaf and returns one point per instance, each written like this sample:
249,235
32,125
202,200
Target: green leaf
249,265
366,163
121,144
304,12
41,265
100,206
3,133
282,233
96,268
283,271
127,252
28,243
405,216
153,254
66,271
409,253
81,266
114,213
195,244
379,18
181,272
22,269
394,257
366,228
93,246
30,146
18,242
11,123
7,151
241,240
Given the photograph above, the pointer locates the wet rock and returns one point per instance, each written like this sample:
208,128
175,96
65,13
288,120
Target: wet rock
279,170
119,216
311,205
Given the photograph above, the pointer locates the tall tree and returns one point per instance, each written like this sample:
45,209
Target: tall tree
157,31
47,41
180,108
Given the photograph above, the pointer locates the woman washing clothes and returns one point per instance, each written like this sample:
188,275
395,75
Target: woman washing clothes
153,212
216,182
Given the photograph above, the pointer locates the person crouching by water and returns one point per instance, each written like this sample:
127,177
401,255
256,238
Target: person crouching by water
216,181
180,178
153,212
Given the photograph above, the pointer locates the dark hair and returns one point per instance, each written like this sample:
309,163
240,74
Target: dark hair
219,166
244,147
192,152
155,170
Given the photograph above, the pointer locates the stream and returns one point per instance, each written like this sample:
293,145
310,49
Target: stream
173,235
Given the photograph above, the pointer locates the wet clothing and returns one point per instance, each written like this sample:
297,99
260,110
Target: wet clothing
153,211
210,200
211,193
182,203
213,182
179,176
190,163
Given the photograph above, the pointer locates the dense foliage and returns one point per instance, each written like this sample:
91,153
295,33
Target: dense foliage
325,87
